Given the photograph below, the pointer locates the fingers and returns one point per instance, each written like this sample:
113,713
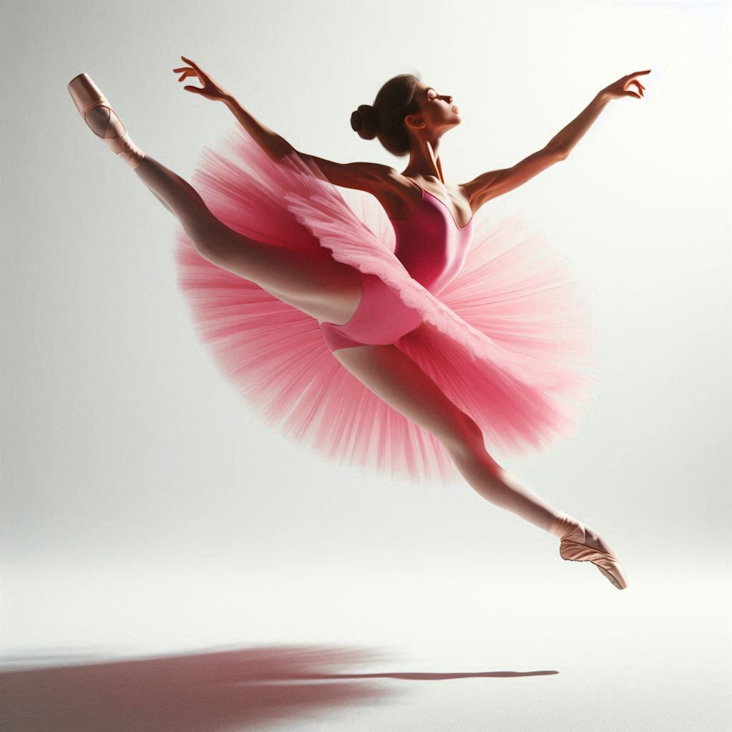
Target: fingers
630,92
636,73
194,70
639,85
186,73
630,80
188,61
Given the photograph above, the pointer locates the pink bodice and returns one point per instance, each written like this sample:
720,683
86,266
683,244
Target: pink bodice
430,244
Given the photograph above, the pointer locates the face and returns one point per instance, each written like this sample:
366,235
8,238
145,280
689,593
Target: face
437,110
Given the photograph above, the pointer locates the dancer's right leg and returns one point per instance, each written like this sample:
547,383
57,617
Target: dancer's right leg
318,285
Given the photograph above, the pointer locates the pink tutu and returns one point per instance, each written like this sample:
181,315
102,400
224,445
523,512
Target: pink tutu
505,340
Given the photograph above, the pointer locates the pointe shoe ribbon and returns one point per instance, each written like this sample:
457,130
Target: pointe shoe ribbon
572,547
87,96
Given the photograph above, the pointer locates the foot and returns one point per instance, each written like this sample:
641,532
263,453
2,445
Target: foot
566,527
582,544
596,541
103,121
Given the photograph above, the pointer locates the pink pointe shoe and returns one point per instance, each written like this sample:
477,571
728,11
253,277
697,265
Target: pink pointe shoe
103,121
572,547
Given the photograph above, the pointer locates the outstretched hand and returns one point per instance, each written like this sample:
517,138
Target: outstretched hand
619,88
210,90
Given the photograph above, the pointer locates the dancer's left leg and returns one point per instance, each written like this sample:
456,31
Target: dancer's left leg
403,384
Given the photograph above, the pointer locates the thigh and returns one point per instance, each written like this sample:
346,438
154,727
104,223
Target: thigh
313,282
403,384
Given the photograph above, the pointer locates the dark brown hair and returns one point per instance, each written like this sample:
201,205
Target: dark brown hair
385,118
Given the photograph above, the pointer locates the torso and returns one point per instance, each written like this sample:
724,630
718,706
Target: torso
401,199
431,242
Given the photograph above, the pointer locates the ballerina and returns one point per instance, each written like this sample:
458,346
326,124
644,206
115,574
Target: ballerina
373,308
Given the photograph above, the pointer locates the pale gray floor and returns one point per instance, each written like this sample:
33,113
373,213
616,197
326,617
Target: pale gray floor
549,646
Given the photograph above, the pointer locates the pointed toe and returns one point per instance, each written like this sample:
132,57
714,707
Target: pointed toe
102,120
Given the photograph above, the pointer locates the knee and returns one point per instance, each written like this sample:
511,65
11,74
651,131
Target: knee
467,438
470,449
208,243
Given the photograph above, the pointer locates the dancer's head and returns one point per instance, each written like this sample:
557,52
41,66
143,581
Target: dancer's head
405,111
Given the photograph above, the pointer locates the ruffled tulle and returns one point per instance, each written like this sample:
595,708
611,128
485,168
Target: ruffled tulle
506,340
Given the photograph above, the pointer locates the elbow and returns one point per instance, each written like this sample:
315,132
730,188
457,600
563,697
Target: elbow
560,153
557,152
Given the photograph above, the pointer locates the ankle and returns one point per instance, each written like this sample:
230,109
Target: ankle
565,525
106,124
132,157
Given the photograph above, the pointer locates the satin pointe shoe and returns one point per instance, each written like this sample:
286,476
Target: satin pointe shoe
572,547
103,121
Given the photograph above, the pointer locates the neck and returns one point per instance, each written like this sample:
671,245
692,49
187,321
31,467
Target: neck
424,160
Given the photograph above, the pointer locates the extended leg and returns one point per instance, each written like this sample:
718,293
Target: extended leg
316,284
403,384
320,286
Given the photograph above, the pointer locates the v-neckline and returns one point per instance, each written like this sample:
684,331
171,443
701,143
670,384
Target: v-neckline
452,215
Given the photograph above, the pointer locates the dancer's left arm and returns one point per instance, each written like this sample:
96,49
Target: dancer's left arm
497,182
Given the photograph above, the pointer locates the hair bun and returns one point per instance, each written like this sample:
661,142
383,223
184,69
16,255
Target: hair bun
363,121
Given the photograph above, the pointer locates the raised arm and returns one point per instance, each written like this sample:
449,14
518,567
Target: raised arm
370,177
497,182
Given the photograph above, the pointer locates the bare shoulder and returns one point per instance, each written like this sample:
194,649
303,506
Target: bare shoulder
396,193
362,175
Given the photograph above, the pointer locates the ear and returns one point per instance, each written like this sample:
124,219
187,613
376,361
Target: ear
414,121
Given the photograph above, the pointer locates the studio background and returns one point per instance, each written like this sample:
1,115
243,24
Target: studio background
146,507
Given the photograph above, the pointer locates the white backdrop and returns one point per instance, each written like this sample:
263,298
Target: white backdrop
135,481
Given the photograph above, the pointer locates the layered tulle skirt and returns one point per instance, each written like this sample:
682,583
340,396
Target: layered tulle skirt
508,340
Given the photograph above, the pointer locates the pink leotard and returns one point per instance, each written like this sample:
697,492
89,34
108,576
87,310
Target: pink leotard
507,333
432,248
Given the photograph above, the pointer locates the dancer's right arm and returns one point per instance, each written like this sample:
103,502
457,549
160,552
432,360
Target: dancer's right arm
371,177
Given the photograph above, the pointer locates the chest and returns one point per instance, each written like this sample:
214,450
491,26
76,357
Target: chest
431,246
